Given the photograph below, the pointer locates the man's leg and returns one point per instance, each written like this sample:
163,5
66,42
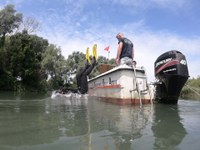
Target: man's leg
126,60
84,83
90,68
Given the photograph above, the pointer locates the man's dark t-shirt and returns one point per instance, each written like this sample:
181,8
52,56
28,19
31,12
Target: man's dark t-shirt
127,48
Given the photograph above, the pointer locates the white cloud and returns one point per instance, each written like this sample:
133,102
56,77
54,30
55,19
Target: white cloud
15,2
169,5
64,28
151,45
148,45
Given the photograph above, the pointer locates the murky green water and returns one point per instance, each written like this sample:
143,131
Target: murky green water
41,123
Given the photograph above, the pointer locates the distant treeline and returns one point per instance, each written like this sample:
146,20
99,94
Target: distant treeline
191,90
29,62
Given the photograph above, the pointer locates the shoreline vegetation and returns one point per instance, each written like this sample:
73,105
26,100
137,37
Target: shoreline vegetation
29,63
191,90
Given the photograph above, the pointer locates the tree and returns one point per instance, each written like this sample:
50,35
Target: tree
6,78
9,20
55,66
75,61
30,24
25,55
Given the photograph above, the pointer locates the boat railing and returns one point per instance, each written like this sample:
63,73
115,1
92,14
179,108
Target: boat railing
139,91
142,77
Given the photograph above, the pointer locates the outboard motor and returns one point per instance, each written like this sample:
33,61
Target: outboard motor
171,72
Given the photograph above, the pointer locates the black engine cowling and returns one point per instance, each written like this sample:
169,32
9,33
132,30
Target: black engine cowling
171,72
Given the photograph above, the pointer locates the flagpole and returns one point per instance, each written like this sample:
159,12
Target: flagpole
107,49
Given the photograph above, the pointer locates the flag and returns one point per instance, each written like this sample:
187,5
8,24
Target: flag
107,48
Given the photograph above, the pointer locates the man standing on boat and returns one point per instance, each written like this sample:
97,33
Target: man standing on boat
125,50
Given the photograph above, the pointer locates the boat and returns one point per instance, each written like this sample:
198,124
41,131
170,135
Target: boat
128,84
171,73
121,85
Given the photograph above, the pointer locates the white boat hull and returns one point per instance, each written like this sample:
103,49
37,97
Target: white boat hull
121,85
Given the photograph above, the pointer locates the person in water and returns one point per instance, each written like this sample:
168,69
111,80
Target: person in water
81,76
125,51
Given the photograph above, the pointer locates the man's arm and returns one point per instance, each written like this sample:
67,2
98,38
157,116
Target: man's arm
119,50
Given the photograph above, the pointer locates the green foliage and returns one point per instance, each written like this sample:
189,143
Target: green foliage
191,90
6,81
29,63
9,20
25,55
55,66
75,61
21,68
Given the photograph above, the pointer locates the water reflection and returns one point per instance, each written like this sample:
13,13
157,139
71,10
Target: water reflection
25,123
121,124
167,127
101,125
85,123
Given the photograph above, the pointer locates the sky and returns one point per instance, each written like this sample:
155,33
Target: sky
154,26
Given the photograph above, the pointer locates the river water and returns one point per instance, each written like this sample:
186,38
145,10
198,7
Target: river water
85,123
